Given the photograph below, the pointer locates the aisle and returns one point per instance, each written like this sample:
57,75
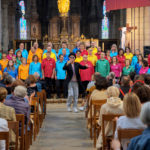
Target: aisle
62,130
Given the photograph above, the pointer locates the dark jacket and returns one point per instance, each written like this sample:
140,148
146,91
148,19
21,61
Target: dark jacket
69,70
20,106
141,142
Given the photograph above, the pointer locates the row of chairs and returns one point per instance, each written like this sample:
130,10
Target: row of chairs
31,130
92,122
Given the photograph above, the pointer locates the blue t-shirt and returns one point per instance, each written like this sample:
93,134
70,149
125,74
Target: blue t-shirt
24,53
67,51
134,61
112,54
13,73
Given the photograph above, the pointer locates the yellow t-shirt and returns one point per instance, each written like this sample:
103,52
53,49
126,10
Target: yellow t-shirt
52,56
23,72
78,59
3,63
94,50
128,56
92,59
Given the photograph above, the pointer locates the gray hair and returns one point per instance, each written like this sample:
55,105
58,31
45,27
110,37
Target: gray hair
20,91
145,117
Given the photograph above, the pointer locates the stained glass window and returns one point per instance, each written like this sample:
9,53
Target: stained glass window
105,23
23,22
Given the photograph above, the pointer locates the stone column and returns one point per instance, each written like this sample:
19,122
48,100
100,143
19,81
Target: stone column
5,39
0,25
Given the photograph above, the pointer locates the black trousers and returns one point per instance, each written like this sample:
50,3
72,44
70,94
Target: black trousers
48,82
61,88
84,84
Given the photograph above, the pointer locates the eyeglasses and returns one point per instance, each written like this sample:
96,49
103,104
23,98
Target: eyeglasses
72,57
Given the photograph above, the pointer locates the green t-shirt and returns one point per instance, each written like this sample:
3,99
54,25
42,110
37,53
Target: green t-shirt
127,71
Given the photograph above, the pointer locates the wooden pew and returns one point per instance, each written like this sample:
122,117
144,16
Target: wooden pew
5,136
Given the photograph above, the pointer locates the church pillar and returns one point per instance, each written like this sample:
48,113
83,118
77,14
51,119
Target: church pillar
5,39
0,25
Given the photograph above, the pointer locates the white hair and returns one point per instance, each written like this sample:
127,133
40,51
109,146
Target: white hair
20,91
145,113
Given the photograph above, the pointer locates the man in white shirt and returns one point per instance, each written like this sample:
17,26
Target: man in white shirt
3,128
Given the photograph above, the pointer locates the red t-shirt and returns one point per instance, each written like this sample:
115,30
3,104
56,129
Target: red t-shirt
149,59
121,61
84,52
86,74
109,59
48,66
98,55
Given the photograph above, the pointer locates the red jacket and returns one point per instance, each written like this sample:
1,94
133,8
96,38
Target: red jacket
86,74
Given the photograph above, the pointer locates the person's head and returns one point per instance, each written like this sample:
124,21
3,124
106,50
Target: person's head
143,92
72,57
4,55
82,46
147,79
114,48
127,62
102,55
3,94
64,51
85,58
16,83
131,105
111,75
92,44
108,53
61,58
18,54
33,50
49,48
125,81
35,58
137,52
32,79
21,46
132,75
95,76
99,49
121,52
49,44
11,51
48,54
127,50
140,57
90,50
35,45
101,83
78,43
14,58
23,60
144,115
10,63
144,63
64,45
114,60
113,91
20,91
78,53
8,80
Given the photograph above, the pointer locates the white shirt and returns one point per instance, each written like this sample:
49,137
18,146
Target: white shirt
128,123
3,128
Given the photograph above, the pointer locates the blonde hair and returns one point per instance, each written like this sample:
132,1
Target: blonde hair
131,105
113,91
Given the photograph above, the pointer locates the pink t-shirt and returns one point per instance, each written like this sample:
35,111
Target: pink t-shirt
9,57
143,70
117,69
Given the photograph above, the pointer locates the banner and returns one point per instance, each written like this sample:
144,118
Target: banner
122,4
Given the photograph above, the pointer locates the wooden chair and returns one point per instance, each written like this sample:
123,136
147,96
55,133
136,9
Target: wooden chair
100,102
5,136
87,109
34,116
128,133
41,115
20,118
97,128
108,118
44,101
14,126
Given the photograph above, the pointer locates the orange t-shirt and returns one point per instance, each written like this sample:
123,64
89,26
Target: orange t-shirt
4,63
23,72
39,53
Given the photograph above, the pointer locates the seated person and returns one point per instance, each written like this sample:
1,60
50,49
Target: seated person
113,106
131,120
18,103
8,83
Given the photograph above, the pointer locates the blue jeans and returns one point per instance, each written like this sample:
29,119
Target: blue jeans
73,93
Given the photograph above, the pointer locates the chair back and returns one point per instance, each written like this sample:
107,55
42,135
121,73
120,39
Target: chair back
44,101
128,133
5,136
40,95
20,118
108,118
14,126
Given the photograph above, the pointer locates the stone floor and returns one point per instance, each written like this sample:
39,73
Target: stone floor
62,130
